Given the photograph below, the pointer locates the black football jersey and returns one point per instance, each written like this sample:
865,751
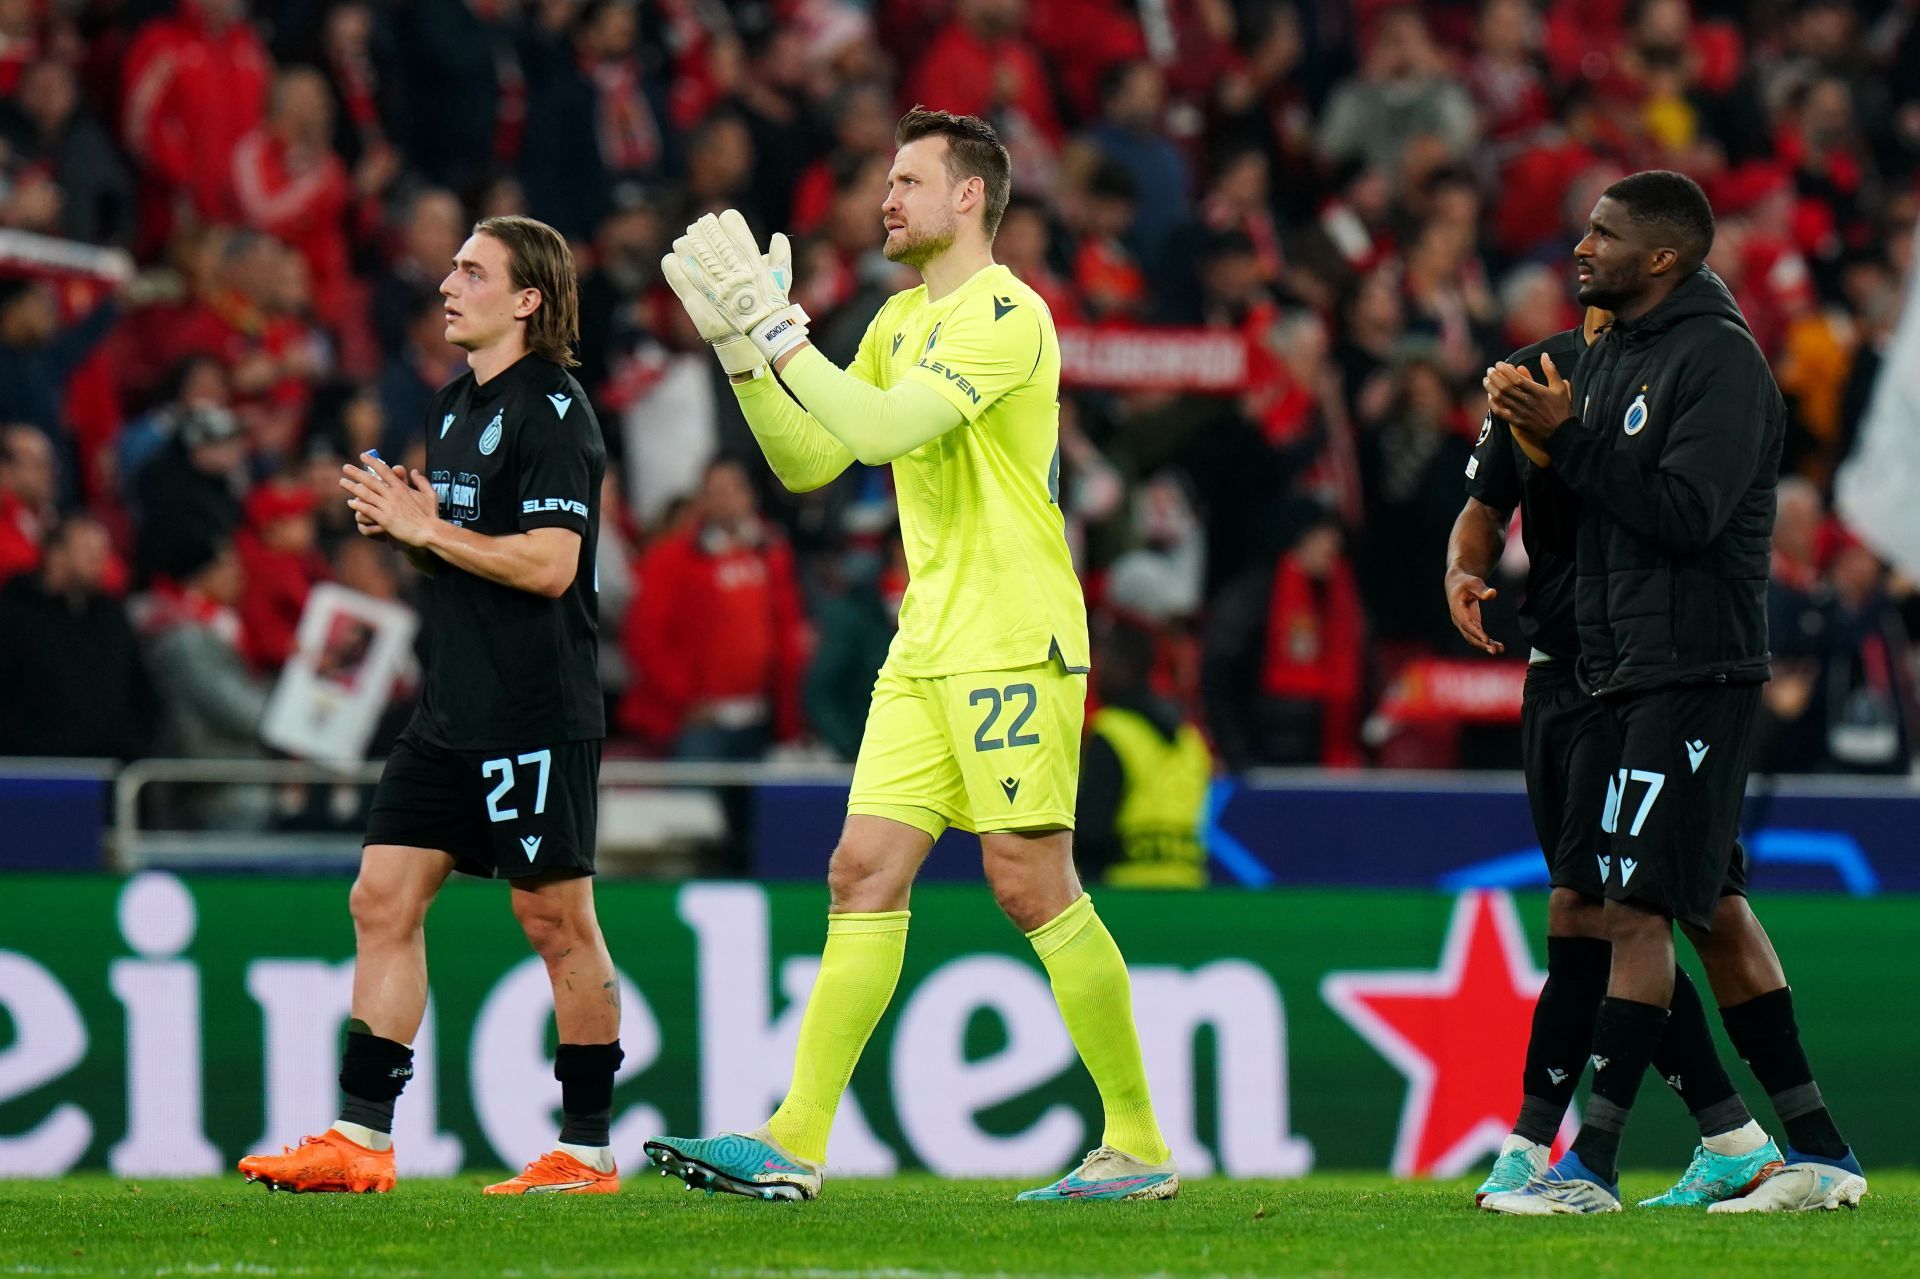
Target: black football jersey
506,667
1500,475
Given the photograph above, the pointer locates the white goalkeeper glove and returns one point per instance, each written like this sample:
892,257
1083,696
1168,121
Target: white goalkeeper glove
748,290
737,355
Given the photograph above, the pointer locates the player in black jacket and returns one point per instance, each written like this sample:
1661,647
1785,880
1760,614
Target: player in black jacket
1569,748
1669,431
498,773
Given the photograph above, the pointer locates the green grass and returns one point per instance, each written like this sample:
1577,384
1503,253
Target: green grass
918,1228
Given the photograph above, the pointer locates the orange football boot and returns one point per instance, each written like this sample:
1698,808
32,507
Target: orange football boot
558,1173
329,1163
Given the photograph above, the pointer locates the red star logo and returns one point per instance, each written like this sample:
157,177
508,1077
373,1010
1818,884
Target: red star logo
1458,1034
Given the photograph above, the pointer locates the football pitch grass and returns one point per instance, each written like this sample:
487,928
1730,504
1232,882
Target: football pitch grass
919,1227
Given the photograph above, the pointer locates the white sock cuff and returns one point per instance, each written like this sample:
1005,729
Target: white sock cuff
1744,1140
361,1135
598,1158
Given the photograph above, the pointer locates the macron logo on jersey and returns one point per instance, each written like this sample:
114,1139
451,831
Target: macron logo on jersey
538,505
934,366
561,403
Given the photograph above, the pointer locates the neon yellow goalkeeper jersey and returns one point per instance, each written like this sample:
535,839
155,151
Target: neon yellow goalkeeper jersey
990,583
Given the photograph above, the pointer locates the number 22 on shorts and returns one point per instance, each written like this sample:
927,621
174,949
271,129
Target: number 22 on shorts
996,700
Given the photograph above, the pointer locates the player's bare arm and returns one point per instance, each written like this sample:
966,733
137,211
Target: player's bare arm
542,561
1479,536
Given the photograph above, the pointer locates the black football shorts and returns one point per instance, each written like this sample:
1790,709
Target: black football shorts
1569,745
1672,806
503,814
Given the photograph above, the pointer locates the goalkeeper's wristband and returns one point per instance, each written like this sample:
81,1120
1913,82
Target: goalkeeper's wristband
738,356
778,333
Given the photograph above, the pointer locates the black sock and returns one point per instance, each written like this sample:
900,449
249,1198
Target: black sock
1765,1035
373,1071
1562,1033
1624,1036
585,1072
1690,1063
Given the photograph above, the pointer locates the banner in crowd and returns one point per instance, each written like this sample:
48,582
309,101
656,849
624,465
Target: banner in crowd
166,1026
1208,361
1435,690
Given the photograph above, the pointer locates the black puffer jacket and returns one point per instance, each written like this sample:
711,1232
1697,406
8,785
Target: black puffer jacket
1675,453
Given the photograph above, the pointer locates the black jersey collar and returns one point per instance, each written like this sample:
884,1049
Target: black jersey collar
506,379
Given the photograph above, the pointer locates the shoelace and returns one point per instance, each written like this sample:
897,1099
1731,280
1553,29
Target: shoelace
304,1143
550,1163
1696,1173
1090,1156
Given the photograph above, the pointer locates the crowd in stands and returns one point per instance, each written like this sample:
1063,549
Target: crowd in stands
1379,198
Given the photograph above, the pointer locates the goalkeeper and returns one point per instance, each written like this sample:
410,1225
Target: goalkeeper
976,715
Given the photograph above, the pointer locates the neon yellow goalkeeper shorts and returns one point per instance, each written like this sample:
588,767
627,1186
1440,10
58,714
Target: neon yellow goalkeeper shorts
984,751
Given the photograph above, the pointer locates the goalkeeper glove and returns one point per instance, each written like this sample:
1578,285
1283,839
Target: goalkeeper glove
746,288
737,355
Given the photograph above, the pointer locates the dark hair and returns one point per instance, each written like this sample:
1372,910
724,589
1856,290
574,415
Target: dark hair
1124,655
1674,206
1115,77
1027,204
1110,181
1229,243
973,151
538,257
424,298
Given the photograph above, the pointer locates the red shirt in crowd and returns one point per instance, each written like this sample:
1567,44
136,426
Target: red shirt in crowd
301,201
714,620
278,583
1081,39
278,579
19,537
191,92
964,74
1316,635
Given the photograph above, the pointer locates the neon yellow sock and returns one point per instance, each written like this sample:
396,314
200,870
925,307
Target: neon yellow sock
1096,1001
858,970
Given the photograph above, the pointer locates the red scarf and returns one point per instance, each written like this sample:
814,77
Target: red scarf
629,135
1314,651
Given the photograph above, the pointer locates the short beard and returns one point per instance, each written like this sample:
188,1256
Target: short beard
918,250
1594,293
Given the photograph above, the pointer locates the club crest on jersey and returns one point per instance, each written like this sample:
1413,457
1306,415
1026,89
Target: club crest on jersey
490,438
932,338
1486,429
1636,419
